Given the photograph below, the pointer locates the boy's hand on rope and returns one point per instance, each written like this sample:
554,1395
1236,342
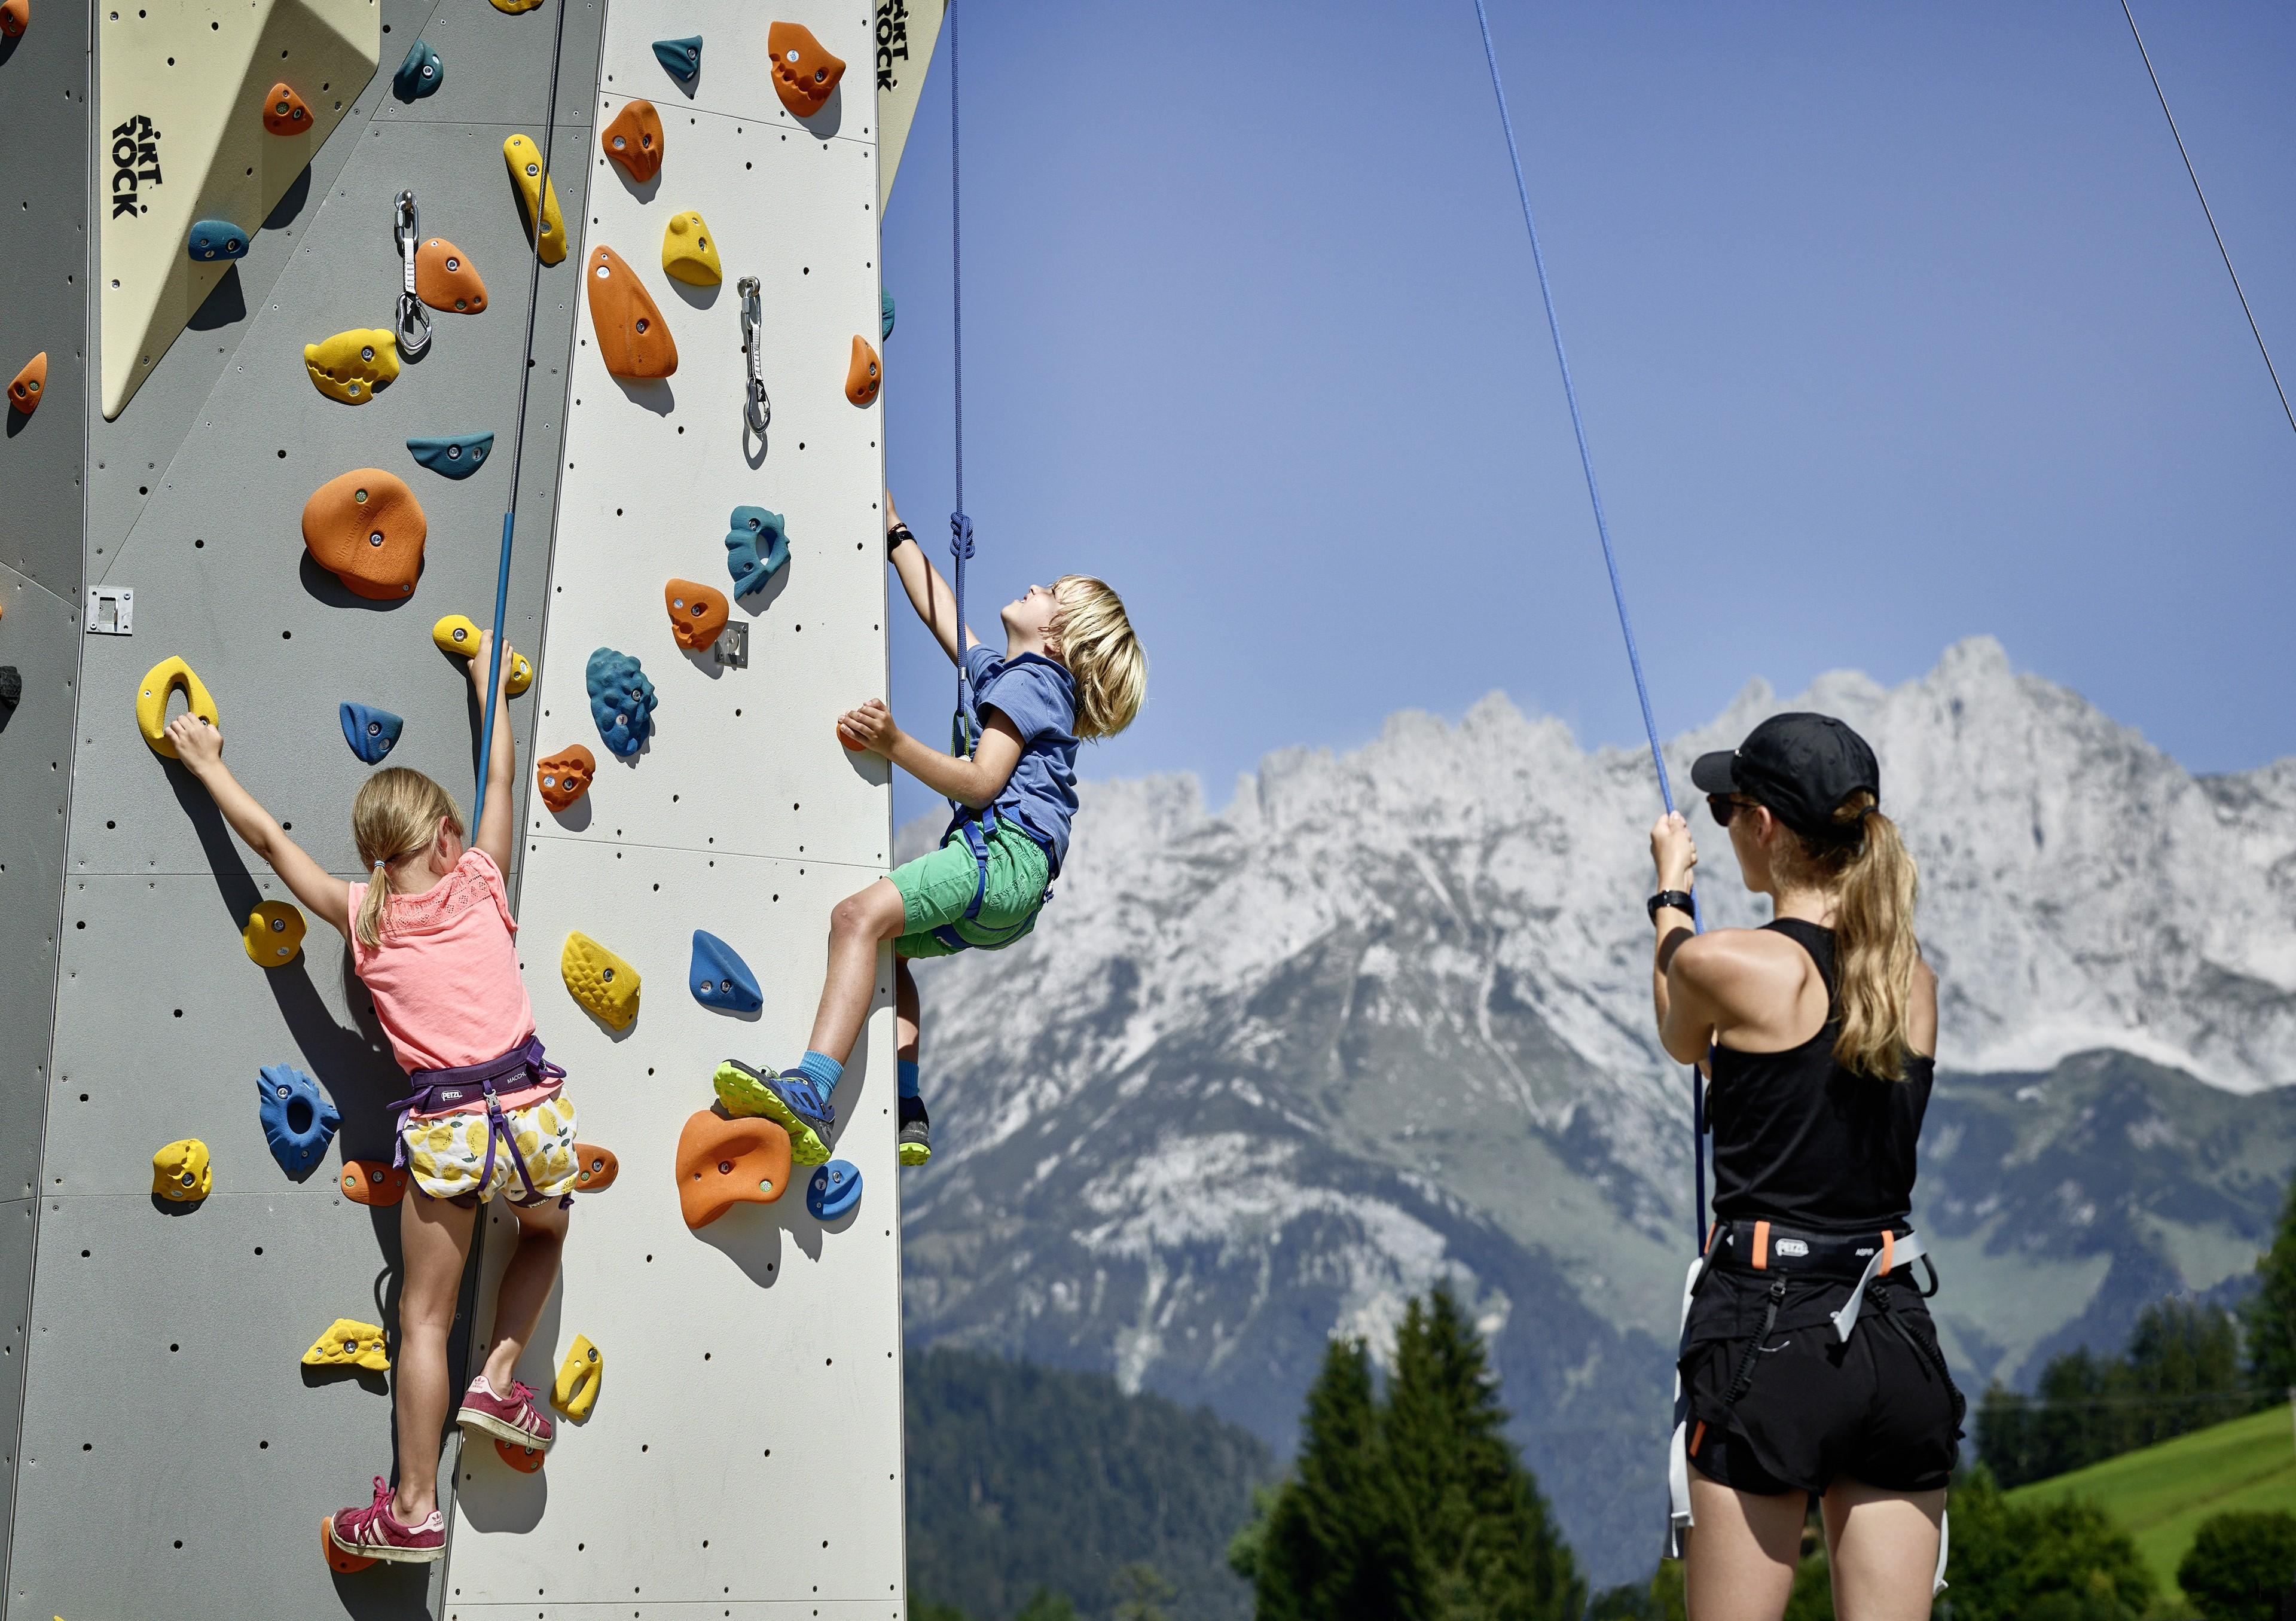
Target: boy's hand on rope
198,745
1673,851
869,728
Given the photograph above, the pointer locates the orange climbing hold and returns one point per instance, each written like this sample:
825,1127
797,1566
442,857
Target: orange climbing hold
15,17
373,1182
594,1168
697,613
445,279
722,1163
565,777
32,382
635,140
864,377
366,528
525,1460
804,73
285,113
633,338
337,1561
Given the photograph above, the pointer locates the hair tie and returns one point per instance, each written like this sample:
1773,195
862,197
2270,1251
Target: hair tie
379,864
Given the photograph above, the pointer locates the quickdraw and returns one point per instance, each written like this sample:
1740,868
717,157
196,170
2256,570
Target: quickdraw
414,324
757,408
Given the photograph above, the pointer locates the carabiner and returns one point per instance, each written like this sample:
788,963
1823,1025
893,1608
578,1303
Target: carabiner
757,409
414,325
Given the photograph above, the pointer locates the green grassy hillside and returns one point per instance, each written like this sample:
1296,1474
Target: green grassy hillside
2161,1495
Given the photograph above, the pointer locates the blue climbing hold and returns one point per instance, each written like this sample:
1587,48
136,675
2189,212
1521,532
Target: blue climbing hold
298,1120
370,731
720,979
457,456
754,548
621,700
884,314
834,1190
682,57
420,75
216,238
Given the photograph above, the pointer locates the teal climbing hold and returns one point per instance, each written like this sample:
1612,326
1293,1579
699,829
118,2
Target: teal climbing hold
457,457
682,57
834,1190
298,1120
719,978
420,75
216,238
756,546
370,731
884,314
621,700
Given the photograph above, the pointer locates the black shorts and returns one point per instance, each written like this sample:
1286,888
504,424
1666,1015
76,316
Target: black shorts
1878,1408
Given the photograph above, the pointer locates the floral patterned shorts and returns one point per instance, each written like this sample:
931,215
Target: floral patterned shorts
447,1155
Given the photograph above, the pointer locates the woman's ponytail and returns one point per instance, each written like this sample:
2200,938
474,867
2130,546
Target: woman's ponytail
396,814
1876,952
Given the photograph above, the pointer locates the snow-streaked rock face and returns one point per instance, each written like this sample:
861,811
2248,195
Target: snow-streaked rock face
1262,1073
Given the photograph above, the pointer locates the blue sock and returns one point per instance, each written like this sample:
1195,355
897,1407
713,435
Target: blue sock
823,1071
908,1071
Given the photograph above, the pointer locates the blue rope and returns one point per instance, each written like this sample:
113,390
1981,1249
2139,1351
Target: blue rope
1609,561
960,526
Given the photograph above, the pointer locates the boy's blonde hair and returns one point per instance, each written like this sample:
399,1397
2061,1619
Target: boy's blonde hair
396,814
1102,654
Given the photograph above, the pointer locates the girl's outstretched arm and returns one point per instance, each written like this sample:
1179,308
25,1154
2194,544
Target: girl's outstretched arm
928,593
200,747
493,833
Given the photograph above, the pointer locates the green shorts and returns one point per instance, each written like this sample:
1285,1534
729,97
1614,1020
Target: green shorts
936,889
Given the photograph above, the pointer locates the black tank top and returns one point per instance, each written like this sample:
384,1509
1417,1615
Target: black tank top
1804,1142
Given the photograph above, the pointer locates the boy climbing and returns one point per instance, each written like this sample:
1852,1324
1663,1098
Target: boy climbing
432,937
1071,669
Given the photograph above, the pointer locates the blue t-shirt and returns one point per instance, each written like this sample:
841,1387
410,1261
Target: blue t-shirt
1038,697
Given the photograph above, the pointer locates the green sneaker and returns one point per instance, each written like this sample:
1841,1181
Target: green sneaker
916,1133
789,1101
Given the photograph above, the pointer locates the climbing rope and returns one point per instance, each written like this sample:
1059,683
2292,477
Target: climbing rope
518,442
962,735
1609,561
2222,251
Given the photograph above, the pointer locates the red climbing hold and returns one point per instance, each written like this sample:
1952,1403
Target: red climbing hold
633,338
525,1460
366,528
373,1182
864,377
697,613
804,73
445,279
565,777
722,1163
15,17
284,113
337,1561
635,140
24,393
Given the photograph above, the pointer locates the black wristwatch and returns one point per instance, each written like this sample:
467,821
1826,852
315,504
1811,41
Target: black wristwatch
895,536
1679,900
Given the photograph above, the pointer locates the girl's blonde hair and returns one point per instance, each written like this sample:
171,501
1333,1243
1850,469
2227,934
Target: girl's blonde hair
1102,654
396,815
1876,882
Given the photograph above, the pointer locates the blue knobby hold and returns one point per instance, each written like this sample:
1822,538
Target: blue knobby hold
457,456
298,1120
621,700
370,731
755,547
682,57
834,1190
719,978
216,238
420,75
884,314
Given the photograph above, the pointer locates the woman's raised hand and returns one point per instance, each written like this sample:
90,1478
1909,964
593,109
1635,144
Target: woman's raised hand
1673,851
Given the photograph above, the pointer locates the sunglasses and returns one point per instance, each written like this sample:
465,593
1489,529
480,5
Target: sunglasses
1725,805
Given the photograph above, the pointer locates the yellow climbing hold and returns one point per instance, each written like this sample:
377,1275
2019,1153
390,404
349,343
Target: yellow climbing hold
457,635
349,1343
151,702
273,934
540,198
180,1171
351,365
515,6
688,254
599,980
578,1378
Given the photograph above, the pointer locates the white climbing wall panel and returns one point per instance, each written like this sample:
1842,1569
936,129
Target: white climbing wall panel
744,1455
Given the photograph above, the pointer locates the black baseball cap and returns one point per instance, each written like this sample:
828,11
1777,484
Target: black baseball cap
1801,766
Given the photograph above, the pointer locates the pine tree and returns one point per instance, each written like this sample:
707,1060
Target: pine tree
2270,1312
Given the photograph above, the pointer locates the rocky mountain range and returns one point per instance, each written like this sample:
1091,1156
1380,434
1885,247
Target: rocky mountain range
1264,1072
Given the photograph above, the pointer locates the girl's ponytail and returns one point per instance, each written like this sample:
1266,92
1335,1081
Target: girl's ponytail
1877,954
368,927
396,815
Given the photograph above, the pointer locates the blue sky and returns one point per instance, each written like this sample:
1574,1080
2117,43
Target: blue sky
1892,324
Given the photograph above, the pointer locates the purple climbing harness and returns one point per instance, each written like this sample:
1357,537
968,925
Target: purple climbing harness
447,1089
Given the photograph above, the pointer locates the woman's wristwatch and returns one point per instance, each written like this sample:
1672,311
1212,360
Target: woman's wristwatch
1678,899
896,536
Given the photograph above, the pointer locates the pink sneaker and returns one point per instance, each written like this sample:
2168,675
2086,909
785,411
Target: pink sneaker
512,1417
375,1533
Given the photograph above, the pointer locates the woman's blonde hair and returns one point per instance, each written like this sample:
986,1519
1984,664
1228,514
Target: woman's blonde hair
1874,881
396,815
1101,652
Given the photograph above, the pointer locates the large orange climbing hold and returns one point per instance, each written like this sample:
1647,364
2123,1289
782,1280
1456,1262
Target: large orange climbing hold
633,338
864,377
15,17
697,613
565,776
285,113
366,528
31,382
445,279
722,1163
373,1182
804,73
635,140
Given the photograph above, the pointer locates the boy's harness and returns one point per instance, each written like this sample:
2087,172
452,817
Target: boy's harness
449,1090
976,826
